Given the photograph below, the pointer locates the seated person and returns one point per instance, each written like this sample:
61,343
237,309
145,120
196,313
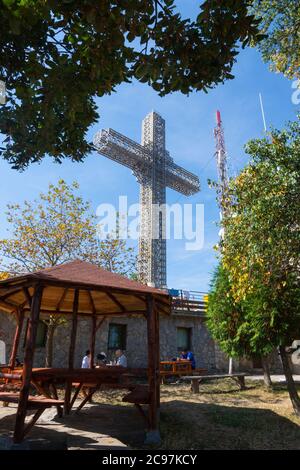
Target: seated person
86,361
185,354
101,359
121,359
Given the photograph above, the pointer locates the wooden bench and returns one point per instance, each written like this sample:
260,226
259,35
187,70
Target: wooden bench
10,381
38,403
168,373
238,377
34,402
140,395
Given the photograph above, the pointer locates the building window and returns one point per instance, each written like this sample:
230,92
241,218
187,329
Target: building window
117,336
183,338
41,334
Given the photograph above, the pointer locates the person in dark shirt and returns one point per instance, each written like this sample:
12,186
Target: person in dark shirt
185,354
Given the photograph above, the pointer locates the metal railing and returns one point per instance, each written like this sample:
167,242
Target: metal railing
188,301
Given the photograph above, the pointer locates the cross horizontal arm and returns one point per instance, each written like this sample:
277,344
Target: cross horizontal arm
121,149
181,180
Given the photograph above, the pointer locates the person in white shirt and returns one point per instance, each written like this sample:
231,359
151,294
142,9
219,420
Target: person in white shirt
86,361
121,358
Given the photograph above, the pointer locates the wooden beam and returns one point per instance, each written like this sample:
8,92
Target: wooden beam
18,331
8,305
61,300
27,295
92,303
8,294
93,341
72,350
115,300
152,363
89,315
157,354
28,362
96,288
13,288
100,323
8,308
74,329
33,420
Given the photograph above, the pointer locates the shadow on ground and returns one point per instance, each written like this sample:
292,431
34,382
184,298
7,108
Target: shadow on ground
98,427
184,425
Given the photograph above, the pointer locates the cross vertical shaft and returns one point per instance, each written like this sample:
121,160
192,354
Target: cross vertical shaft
152,241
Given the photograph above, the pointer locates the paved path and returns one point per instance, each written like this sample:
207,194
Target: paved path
275,378
98,427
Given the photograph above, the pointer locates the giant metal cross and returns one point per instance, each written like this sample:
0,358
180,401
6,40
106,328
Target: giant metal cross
155,170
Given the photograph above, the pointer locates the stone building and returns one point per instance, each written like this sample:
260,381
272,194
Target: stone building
177,331
185,328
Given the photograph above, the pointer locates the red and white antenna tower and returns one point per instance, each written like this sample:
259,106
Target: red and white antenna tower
221,157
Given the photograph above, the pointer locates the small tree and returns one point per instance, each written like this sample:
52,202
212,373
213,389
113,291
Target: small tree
261,249
53,230
229,322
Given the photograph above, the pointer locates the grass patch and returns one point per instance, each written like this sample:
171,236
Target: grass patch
222,416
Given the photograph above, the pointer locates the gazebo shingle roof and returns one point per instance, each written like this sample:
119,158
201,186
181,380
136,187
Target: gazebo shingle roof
100,290
82,272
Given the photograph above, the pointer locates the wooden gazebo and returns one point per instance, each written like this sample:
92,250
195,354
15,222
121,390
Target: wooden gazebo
76,289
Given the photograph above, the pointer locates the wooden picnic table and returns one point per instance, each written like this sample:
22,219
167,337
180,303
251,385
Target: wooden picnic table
46,380
177,368
180,366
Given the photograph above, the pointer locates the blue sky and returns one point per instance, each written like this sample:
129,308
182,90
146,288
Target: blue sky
189,134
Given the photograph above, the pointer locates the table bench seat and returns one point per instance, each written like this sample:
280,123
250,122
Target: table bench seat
139,395
34,402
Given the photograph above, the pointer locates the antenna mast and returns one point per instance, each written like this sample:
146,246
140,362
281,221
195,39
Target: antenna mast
221,157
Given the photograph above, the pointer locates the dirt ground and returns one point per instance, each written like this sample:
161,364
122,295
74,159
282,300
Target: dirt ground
220,417
223,417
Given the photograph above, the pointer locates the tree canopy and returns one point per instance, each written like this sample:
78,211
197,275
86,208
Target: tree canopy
57,56
255,296
262,243
280,22
57,228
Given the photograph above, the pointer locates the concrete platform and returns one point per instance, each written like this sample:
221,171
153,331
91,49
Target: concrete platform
98,427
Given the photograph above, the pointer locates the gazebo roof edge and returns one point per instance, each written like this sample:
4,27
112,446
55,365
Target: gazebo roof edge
108,280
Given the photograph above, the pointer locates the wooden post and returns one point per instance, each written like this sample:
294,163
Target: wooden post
93,341
74,329
14,351
153,435
72,350
195,386
28,362
157,355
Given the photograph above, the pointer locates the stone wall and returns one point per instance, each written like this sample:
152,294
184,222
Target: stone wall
207,353
136,341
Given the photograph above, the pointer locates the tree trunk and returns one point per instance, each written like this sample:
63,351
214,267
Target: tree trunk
290,381
266,369
49,344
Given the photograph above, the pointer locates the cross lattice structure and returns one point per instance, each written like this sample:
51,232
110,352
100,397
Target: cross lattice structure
155,170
